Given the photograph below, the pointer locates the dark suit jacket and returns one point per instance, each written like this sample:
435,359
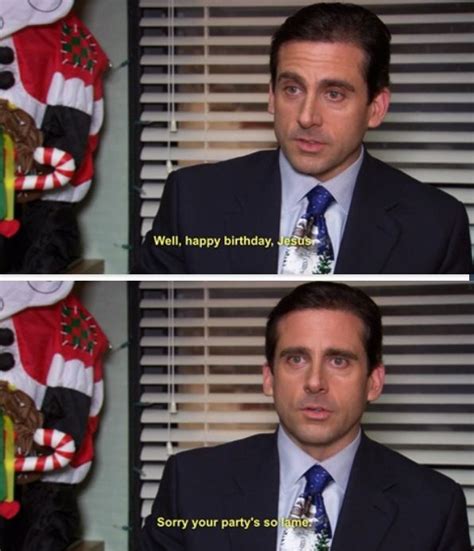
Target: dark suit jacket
395,223
391,503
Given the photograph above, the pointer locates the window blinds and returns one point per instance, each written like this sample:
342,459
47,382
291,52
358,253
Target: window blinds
202,79
198,381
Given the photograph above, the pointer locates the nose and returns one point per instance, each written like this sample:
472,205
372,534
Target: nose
310,113
315,381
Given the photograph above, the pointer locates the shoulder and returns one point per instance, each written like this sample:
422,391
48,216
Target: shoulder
429,508
394,182
231,169
420,480
218,465
232,451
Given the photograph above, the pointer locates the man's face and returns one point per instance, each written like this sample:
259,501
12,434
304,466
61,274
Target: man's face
320,106
320,382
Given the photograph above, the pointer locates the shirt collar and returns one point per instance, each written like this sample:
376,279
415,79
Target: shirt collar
296,185
294,462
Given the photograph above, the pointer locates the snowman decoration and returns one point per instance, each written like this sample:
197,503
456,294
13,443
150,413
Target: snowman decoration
51,68
51,351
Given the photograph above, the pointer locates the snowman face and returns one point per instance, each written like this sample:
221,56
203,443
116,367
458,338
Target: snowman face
16,296
17,14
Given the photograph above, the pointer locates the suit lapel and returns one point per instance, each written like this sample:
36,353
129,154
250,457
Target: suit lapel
256,212
367,511
371,232
254,494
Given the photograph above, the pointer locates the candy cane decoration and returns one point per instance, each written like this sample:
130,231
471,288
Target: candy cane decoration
64,448
61,161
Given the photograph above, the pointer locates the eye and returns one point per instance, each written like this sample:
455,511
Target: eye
339,361
296,360
335,95
292,90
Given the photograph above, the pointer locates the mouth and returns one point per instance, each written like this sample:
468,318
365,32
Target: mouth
316,413
309,146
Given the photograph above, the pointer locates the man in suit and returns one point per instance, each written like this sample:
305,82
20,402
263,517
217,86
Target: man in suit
329,84
323,364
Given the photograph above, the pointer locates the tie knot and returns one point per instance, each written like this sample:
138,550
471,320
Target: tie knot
319,199
317,478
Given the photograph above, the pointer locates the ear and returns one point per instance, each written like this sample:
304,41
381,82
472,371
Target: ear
378,108
267,380
271,99
375,383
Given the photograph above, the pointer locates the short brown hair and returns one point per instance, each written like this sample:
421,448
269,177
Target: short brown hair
338,22
329,296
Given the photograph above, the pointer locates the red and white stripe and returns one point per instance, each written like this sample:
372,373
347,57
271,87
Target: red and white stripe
61,161
62,444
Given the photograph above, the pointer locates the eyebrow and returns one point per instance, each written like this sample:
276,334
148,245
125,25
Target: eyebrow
341,352
303,351
294,351
289,75
325,83
336,83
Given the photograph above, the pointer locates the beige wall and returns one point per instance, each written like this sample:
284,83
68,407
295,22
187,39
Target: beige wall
104,495
104,214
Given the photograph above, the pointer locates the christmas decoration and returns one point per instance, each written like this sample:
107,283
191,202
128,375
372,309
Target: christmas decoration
323,543
324,264
51,351
20,144
51,68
